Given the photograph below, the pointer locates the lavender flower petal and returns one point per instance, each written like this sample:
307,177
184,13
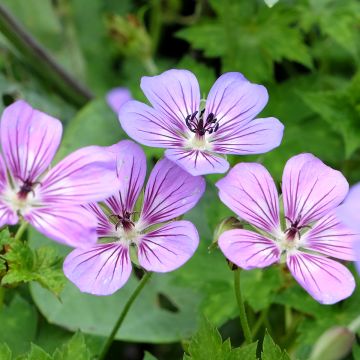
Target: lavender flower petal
174,93
326,280
100,269
104,227
169,193
349,211
86,175
311,189
198,162
117,97
331,237
168,247
249,190
70,225
29,140
255,137
248,249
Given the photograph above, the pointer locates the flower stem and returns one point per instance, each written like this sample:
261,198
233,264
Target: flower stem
21,230
2,296
242,312
123,314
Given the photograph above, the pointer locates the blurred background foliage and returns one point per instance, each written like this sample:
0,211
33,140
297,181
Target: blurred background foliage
307,54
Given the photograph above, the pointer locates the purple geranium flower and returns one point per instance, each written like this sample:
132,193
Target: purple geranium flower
49,201
117,97
199,135
311,234
162,245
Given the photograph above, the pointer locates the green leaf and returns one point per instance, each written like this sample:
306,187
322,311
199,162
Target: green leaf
37,353
271,351
207,344
42,265
18,325
270,3
356,351
5,352
148,356
75,349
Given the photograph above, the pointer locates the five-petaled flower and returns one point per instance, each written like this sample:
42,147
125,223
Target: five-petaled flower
311,233
49,201
196,137
162,245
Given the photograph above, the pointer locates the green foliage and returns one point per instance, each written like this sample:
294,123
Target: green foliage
24,264
207,344
5,352
271,351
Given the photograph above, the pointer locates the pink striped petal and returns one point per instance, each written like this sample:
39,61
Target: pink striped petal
331,237
326,280
87,175
234,101
131,174
349,211
249,190
104,227
29,140
311,189
70,225
255,137
198,162
248,249
169,193
117,97
99,270
168,247
148,126
174,93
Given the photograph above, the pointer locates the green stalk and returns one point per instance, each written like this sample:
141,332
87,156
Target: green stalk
123,314
41,60
21,230
242,312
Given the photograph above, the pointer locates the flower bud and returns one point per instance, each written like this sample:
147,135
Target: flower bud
334,344
228,223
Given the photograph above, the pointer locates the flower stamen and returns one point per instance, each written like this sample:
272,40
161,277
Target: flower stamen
198,126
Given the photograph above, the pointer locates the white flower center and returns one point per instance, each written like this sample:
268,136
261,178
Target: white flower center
198,143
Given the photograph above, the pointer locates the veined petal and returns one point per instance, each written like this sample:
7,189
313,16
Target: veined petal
168,247
88,174
197,162
117,97
149,127
174,93
70,225
331,237
249,190
169,193
247,249
255,137
29,140
349,210
99,270
311,189
131,174
326,280
234,101
104,227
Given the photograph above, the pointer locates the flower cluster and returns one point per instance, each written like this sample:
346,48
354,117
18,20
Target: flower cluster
94,200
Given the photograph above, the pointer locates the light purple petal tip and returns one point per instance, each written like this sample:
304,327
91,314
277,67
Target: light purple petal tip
198,162
131,172
86,175
99,270
117,97
349,211
70,225
326,280
169,193
248,249
174,93
168,247
249,190
311,189
256,137
29,139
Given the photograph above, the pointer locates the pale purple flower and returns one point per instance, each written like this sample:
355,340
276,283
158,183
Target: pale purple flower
162,245
117,97
198,134
309,233
49,200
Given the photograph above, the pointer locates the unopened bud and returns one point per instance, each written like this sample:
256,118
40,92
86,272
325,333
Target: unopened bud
227,224
334,344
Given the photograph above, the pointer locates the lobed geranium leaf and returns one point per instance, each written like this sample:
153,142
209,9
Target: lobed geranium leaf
75,348
271,351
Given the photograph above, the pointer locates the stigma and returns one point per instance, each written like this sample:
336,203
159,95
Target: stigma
199,126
